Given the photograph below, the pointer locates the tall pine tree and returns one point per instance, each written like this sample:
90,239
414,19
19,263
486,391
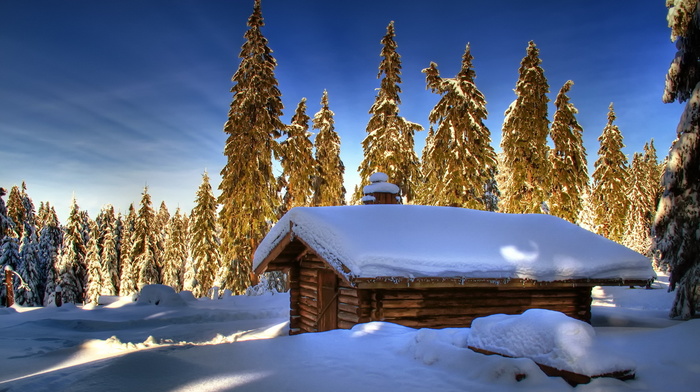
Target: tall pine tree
298,164
249,196
128,272
176,250
608,199
50,242
460,160
569,165
389,146
94,267
676,234
638,220
524,141
328,183
73,269
204,241
145,246
108,242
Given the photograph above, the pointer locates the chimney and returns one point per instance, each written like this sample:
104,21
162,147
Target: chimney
380,191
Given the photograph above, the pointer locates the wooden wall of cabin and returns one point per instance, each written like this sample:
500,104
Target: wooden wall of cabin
306,307
457,307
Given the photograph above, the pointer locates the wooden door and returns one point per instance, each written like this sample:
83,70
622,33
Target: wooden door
327,300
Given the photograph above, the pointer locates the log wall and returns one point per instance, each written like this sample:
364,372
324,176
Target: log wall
421,308
457,307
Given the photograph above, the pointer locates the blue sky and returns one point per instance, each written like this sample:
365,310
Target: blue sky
100,98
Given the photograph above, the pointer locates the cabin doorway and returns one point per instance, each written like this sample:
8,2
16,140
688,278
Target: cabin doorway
327,300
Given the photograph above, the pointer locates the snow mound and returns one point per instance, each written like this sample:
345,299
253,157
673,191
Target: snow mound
549,338
159,294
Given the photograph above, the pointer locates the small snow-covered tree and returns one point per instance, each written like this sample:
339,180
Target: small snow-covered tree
176,250
249,197
108,243
637,221
73,270
128,275
204,241
50,242
569,165
298,164
608,195
328,189
676,234
94,267
459,162
389,145
524,141
144,249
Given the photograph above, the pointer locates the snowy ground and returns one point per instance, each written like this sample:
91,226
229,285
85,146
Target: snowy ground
240,343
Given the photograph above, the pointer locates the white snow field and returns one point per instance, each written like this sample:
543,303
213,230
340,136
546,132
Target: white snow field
241,344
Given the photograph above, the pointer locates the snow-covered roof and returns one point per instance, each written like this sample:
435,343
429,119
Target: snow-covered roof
411,241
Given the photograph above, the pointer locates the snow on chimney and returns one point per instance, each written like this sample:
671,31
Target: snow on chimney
380,191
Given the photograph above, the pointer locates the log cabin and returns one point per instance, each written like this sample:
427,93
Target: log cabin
437,267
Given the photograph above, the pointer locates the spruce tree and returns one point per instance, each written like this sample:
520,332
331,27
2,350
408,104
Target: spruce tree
205,243
654,172
144,249
569,165
328,183
389,146
94,267
637,222
461,159
30,268
108,242
298,164
608,195
176,251
73,270
128,274
9,257
676,234
249,196
50,242
15,208
524,141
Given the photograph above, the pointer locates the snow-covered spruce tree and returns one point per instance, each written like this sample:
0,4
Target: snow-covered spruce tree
15,208
176,250
388,146
108,243
9,256
50,242
205,242
328,189
94,267
249,197
654,172
298,164
128,273
608,199
429,174
73,270
524,141
676,235
30,268
569,165
637,222
144,248
461,160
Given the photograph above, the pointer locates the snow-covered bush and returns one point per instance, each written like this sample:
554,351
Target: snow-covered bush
159,294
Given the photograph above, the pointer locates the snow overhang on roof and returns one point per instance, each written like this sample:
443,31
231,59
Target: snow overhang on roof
418,242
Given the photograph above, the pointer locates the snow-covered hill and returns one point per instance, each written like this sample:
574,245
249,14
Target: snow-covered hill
241,343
